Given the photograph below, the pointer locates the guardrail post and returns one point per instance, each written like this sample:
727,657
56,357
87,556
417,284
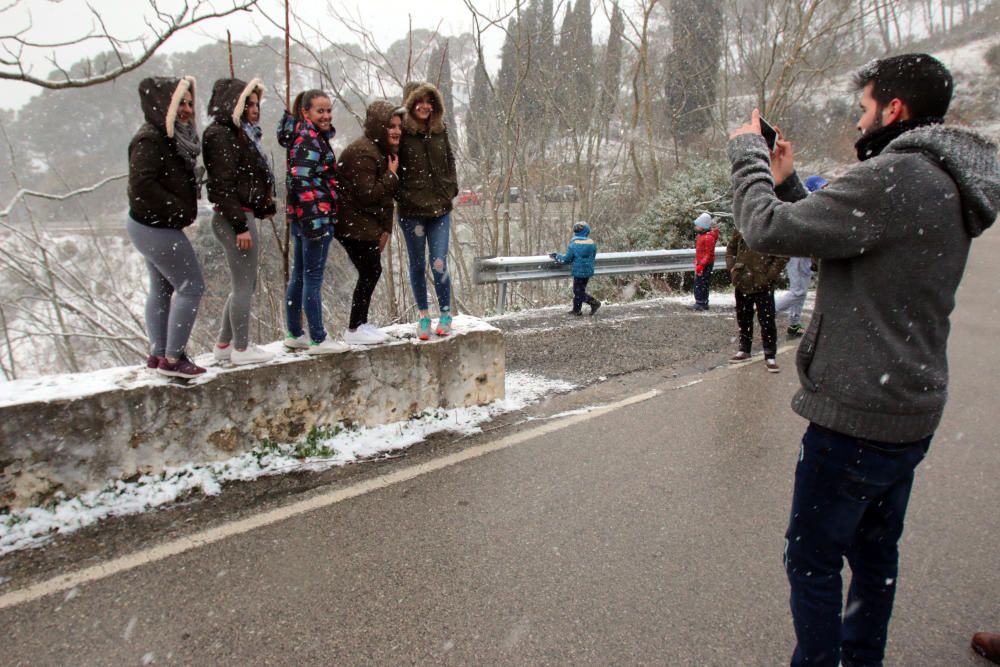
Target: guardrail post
501,298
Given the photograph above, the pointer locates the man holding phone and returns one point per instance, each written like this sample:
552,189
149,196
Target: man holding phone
872,364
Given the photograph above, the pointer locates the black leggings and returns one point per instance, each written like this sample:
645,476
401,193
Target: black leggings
368,262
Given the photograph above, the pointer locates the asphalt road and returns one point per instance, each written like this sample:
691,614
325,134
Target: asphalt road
649,532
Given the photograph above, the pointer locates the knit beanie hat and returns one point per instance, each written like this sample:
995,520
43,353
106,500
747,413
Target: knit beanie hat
703,222
814,183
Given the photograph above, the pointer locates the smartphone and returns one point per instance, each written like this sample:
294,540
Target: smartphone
769,133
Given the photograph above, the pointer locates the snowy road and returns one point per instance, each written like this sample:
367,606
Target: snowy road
649,533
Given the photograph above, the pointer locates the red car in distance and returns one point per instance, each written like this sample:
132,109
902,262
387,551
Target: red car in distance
467,197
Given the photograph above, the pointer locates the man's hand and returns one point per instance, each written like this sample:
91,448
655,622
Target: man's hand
782,157
753,127
782,160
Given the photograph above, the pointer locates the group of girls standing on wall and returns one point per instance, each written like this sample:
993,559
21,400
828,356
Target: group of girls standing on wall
403,154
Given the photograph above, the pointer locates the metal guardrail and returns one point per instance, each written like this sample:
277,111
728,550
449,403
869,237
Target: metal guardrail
504,270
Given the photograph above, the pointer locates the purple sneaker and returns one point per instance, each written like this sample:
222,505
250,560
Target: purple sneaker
182,368
152,362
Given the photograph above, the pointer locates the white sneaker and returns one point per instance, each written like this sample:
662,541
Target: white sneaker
375,331
252,355
293,343
361,336
328,346
222,353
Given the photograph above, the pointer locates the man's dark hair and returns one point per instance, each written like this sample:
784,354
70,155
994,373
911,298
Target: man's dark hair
918,79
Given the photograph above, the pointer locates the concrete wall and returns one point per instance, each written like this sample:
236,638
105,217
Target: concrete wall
79,444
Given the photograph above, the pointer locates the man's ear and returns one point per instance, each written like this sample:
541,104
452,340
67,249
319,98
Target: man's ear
895,110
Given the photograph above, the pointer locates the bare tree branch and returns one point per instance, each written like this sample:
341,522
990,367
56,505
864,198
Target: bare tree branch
24,192
188,16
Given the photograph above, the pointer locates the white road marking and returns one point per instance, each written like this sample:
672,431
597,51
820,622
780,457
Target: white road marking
204,538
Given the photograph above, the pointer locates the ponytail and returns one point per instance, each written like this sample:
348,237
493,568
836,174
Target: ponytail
304,100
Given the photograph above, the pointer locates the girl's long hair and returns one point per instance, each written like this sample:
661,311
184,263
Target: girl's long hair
303,101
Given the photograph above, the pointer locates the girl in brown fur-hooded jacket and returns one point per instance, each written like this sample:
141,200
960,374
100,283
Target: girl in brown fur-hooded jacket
367,180
162,197
427,184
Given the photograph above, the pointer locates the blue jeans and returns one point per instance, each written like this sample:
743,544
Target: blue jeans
305,284
849,501
701,285
421,235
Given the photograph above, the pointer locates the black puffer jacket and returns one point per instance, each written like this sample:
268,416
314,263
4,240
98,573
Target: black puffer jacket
239,177
162,189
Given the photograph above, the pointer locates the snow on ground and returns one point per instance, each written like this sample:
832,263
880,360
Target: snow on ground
968,59
76,385
320,450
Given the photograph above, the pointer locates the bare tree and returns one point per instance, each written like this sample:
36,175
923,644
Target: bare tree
162,26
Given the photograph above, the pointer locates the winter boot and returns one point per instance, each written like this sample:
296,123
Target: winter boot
594,305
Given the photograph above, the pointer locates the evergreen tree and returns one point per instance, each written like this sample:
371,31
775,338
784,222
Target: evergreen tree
583,54
611,76
439,73
479,121
693,65
532,102
507,78
562,87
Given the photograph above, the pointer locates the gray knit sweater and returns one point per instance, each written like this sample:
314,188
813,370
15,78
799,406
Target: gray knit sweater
893,236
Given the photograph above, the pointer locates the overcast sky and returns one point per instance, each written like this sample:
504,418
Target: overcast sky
46,21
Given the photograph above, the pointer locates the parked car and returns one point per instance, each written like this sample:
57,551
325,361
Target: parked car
516,195
467,197
562,193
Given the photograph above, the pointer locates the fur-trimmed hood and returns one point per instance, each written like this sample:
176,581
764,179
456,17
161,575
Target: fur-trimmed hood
414,91
229,99
160,97
377,119
970,159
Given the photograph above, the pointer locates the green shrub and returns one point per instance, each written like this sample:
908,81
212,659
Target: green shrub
668,222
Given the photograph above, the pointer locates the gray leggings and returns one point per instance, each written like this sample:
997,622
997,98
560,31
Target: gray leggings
175,286
235,326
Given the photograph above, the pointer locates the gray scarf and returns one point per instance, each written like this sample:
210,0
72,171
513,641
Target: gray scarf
188,143
255,135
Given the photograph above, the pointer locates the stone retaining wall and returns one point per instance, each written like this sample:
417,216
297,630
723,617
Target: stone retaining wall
74,445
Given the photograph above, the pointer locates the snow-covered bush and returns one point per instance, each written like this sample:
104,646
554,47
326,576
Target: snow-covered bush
668,221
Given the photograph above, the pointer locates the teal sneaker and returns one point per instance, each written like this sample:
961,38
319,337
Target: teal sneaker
424,328
444,326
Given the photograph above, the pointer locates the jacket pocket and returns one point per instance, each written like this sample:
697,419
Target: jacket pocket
810,373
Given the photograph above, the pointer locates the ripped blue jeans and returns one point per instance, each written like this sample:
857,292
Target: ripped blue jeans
423,235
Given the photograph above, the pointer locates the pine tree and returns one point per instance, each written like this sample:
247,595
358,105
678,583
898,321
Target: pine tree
693,65
439,73
562,87
507,78
480,123
611,76
583,48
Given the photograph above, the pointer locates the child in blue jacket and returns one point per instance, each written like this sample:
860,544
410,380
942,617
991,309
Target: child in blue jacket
580,254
